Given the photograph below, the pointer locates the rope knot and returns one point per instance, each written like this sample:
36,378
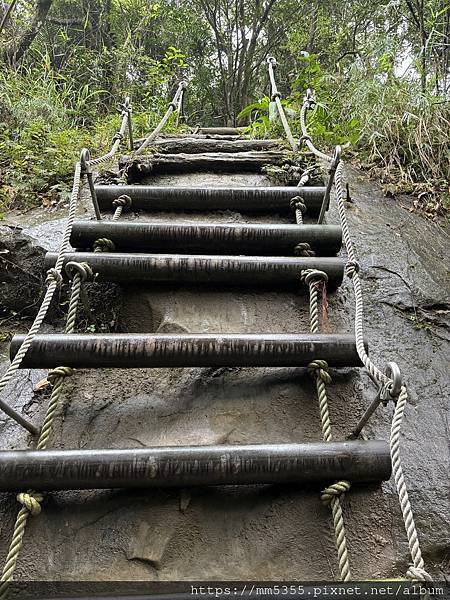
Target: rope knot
319,368
117,136
172,105
304,138
104,245
275,95
303,249
31,501
334,491
53,276
297,203
352,267
57,372
123,200
418,574
82,269
123,108
312,276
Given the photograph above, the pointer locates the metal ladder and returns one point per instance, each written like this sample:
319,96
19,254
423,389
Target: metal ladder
255,255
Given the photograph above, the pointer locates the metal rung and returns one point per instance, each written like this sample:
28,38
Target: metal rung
138,350
260,239
250,199
197,268
176,466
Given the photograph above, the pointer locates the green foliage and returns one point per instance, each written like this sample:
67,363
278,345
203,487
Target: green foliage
264,118
45,120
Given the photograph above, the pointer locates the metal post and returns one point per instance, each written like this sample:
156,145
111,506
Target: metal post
144,350
332,172
87,171
385,393
181,466
130,124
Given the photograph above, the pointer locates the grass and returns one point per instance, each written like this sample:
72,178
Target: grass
44,123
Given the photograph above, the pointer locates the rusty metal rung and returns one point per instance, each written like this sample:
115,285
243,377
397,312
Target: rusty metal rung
242,199
246,271
262,239
142,350
181,466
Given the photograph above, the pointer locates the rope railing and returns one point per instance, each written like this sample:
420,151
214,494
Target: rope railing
82,169
79,273
175,104
275,96
391,386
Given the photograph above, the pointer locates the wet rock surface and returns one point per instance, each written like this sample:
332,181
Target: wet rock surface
21,272
255,532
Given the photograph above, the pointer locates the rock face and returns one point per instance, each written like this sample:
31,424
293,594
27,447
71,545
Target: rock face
257,532
21,273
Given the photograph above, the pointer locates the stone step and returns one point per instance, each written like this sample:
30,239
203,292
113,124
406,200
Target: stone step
185,466
262,239
243,199
144,350
244,271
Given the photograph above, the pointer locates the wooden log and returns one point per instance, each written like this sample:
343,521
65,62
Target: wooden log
205,145
223,130
224,162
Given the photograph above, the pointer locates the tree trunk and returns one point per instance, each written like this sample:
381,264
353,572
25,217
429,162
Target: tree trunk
14,54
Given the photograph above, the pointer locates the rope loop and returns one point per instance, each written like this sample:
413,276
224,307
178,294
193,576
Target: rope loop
309,98
272,61
304,138
123,108
104,245
31,501
122,200
53,276
352,267
53,374
311,276
319,368
418,574
82,269
297,203
303,249
335,490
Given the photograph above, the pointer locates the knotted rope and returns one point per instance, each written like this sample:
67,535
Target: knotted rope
31,500
318,368
417,570
54,278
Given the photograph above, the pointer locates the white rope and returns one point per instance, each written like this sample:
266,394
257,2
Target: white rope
417,570
54,277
